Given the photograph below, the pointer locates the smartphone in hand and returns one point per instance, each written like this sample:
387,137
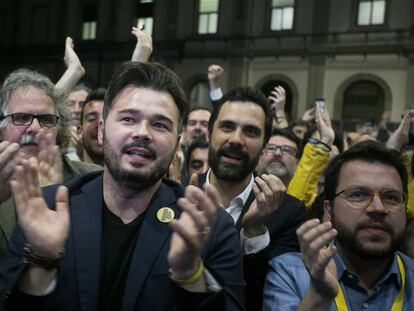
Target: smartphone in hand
321,104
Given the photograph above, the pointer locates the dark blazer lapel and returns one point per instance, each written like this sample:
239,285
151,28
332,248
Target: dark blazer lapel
152,238
246,206
86,211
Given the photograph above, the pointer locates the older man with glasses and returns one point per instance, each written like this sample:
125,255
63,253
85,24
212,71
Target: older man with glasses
351,261
33,125
280,155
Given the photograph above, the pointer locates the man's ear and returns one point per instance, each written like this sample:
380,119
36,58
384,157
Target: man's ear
327,210
101,130
79,131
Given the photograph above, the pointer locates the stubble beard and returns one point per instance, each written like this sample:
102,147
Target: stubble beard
349,240
137,179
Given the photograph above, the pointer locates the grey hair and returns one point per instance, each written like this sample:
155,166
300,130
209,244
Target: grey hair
25,78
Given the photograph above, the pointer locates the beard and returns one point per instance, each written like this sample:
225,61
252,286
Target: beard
138,178
228,171
275,167
349,240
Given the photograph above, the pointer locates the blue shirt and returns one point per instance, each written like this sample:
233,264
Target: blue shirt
288,281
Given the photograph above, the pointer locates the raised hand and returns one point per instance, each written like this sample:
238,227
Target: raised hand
313,239
74,72
270,192
46,230
49,159
400,136
277,99
309,115
324,126
9,158
214,73
143,48
192,229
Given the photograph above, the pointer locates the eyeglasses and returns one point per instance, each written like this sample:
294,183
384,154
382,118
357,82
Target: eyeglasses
360,197
271,149
26,119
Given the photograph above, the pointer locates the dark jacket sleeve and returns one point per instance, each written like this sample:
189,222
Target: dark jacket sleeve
282,228
223,259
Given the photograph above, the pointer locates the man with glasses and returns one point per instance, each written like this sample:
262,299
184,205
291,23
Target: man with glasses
351,261
280,156
33,124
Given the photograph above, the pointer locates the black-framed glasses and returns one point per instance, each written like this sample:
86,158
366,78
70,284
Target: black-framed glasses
26,119
271,149
360,198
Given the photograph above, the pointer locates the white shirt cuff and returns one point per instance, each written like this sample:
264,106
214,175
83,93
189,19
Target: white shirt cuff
211,283
216,94
255,244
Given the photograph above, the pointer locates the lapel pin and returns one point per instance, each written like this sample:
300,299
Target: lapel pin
165,214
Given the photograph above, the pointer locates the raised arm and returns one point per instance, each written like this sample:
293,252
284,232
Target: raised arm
277,99
74,69
143,48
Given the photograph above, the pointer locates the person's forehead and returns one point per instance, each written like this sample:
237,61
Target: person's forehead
95,105
373,175
281,140
199,153
199,114
242,113
79,95
144,100
30,100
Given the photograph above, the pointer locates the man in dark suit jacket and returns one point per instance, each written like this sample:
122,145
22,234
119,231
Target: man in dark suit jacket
129,243
266,217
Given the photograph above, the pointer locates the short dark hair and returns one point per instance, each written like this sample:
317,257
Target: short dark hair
245,94
198,142
195,108
147,75
98,94
369,151
289,134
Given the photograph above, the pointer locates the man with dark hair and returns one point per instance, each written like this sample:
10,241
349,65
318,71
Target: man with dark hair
91,113
266,217
132,240
361,268
280,156
196,124
197,156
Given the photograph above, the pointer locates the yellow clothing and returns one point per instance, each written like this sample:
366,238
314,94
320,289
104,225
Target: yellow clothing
304,184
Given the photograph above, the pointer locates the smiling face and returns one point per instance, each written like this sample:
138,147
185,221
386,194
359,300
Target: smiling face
140,136
28,100
371,233
88,131
236,140
276,162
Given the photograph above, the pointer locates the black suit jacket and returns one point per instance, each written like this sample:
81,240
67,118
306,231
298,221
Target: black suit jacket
148,286
282,225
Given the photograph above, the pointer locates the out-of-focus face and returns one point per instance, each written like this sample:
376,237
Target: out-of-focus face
236,140
140,135
279,158
198,161
75,102
33,101
300,131
88,131
197,124
374,232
